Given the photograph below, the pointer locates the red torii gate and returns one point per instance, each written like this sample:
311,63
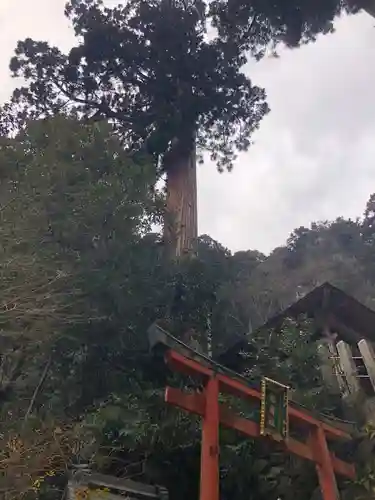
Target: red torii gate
206,404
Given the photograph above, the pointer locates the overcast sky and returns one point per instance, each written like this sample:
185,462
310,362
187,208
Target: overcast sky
314,155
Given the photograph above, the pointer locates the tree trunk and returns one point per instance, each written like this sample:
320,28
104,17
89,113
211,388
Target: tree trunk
180,225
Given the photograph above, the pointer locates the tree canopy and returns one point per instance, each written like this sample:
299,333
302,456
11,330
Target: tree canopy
151,69
168,76
256,25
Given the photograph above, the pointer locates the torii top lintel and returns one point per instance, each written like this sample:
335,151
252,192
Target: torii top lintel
179,363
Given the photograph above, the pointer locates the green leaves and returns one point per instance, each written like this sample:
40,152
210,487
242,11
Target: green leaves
363,488
260,26
75,210
148,68
82,280
289,355
73,204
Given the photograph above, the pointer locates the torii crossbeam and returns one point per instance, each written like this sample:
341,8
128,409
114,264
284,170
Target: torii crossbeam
206,404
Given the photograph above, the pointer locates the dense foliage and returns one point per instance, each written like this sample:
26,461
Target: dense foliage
168,75
147,67
83,276
257,25
82,279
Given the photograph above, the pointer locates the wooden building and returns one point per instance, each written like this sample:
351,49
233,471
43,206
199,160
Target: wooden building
345,338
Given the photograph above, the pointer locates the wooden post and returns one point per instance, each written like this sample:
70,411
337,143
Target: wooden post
348,366
207,405
330,366
209,486
324,466
365,348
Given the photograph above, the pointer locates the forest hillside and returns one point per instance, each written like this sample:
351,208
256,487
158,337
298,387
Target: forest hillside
82,278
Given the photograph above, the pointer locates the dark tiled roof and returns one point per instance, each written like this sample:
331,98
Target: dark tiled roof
347,310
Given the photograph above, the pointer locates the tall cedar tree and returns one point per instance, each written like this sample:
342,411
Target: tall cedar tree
149,68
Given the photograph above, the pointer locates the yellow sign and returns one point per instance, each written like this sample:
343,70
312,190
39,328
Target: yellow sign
274,410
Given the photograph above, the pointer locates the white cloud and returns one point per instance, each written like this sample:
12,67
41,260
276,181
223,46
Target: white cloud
314,154
39,19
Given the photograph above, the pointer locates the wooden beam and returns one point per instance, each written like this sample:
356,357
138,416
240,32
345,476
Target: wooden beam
195,403
96,480
348,366
209,487
233,386
367,351
187,366
324,465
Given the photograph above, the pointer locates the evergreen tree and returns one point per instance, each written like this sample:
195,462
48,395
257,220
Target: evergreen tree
149,68
260,25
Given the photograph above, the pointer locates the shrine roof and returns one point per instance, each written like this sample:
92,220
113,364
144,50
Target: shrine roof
358,319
